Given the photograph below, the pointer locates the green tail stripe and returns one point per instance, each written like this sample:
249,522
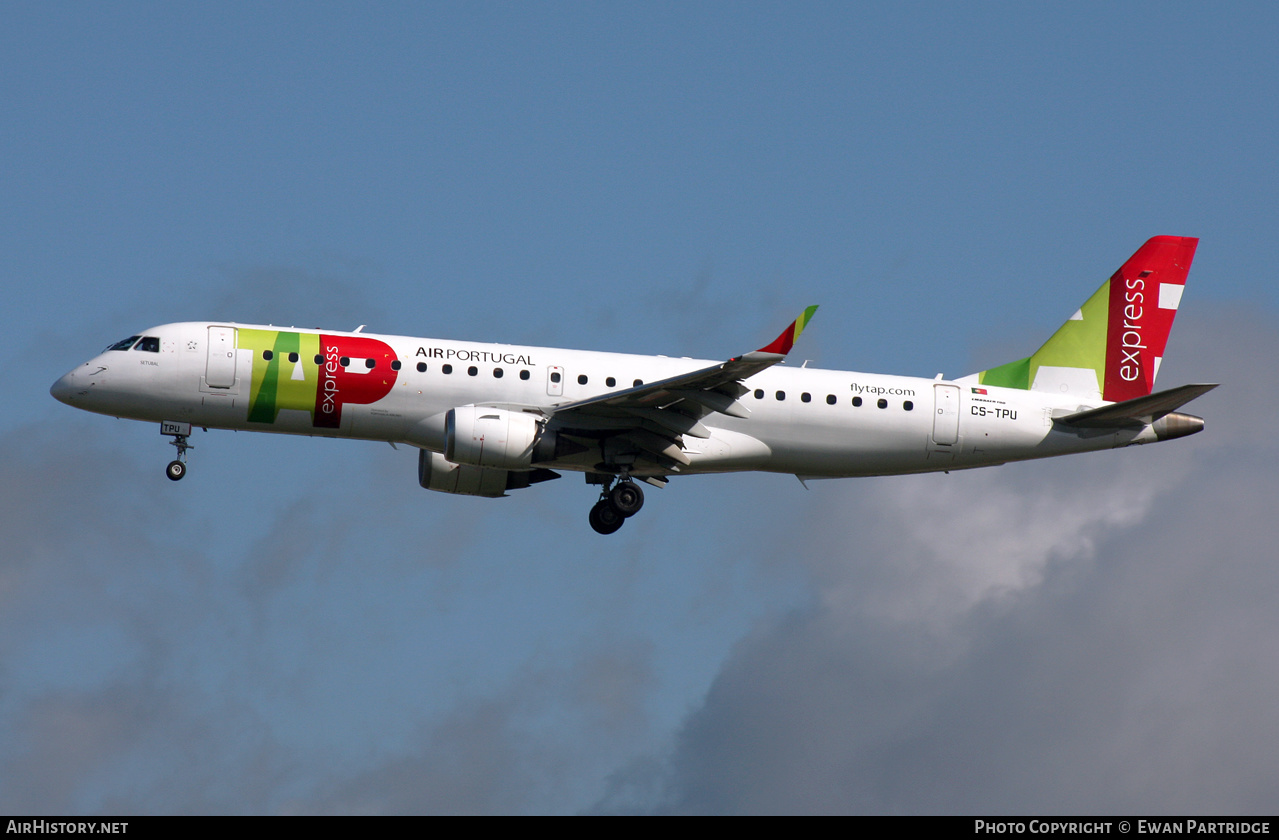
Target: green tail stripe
1079,343
1012,375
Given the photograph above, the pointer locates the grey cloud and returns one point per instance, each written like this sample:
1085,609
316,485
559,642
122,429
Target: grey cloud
144,667
512,751
1141,682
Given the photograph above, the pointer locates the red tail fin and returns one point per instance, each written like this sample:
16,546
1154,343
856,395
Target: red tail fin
1144,296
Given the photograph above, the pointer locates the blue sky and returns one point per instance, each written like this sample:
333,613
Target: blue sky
297,627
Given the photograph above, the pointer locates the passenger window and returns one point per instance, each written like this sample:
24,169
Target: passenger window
908,405
523,374
421,367
639,382
882,403
581,380
610,382
268,355
293,357
759,393
472,370
447,369
124,345
781,395
805,397
345,361
370,363
830,399
395,365
555,376
857,401
319,360
497,373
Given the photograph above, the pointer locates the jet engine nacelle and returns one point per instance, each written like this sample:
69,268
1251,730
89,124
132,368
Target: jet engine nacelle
496,438
435,472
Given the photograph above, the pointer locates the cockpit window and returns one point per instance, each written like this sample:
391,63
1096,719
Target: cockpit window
149,343
124,345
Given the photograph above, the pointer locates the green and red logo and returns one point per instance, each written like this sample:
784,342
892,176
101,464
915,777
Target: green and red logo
317,374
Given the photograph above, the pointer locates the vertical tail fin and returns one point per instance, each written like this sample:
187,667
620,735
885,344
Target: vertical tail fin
1112,347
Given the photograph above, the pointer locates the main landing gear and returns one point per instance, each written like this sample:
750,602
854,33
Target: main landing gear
177,468
617,504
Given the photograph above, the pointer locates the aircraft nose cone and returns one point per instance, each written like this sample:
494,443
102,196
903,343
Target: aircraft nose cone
69,387
63,388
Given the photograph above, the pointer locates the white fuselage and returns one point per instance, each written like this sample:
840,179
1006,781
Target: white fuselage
810,422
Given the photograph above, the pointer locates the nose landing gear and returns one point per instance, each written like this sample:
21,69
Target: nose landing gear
177,468
617,504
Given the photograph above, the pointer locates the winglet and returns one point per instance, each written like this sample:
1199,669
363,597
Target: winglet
784,342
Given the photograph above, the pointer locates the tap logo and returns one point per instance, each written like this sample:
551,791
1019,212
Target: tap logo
318,374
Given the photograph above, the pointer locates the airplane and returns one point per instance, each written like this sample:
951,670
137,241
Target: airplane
491,418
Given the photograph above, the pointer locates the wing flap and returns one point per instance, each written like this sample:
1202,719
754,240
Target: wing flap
658,445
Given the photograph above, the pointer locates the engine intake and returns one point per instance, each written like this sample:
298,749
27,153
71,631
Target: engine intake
496,438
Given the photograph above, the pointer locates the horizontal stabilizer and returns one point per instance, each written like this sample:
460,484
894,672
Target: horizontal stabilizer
1137,412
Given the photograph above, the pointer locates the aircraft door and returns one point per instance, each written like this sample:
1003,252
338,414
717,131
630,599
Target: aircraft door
219,372
555,381
946,415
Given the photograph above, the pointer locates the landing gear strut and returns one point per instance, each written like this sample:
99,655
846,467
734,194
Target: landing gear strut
177,468
617,504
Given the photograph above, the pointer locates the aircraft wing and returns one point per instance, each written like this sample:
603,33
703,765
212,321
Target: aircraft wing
649,420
